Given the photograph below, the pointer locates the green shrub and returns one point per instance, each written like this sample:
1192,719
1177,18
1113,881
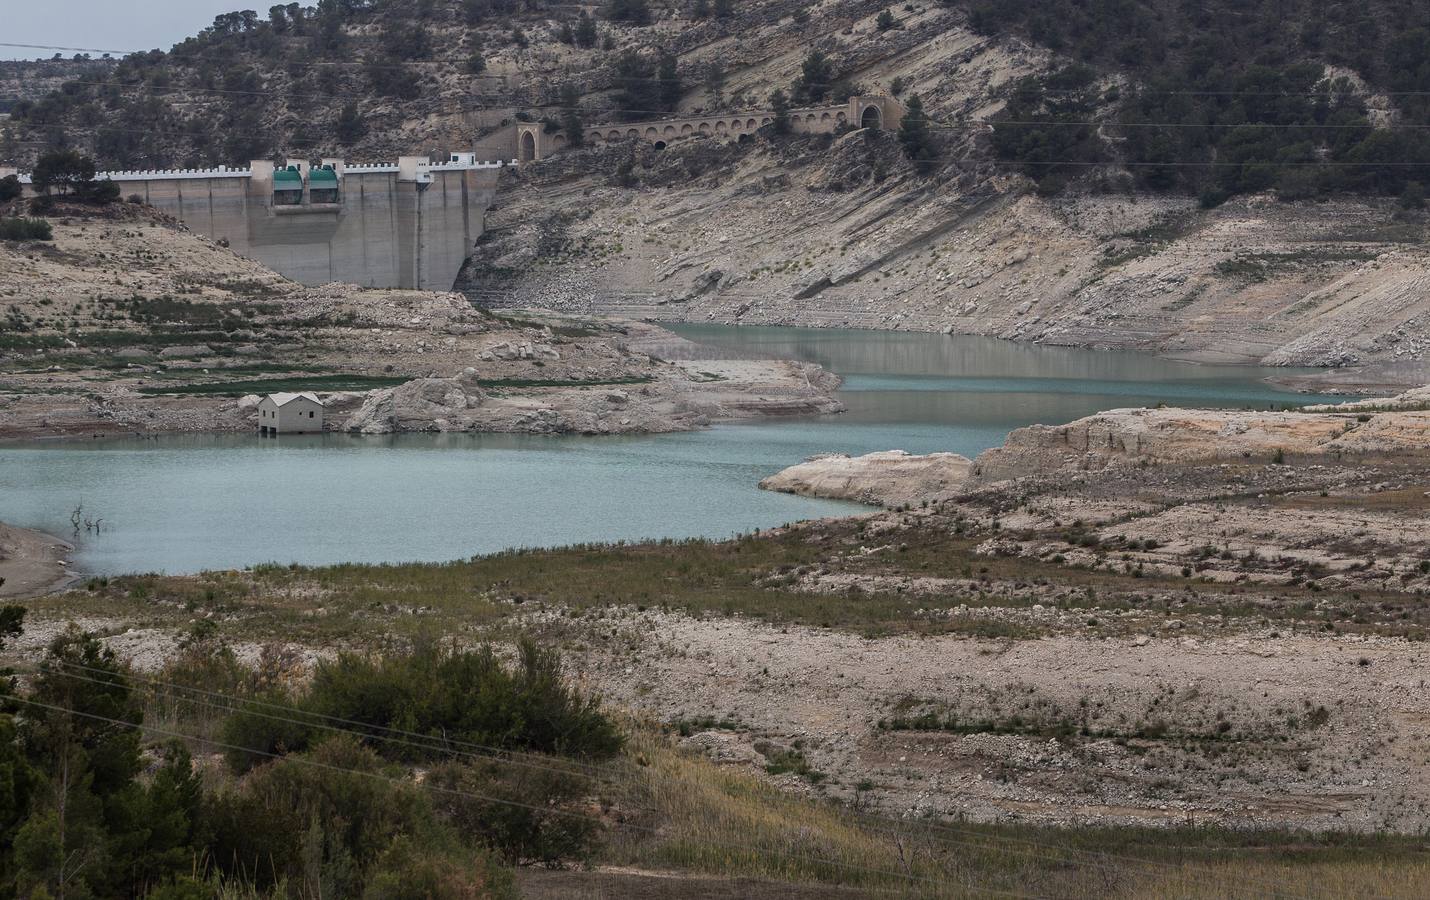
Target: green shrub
22,229
447,698
523,819
262,728
317,820
466,696
404,872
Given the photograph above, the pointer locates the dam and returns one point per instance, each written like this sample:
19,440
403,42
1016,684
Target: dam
408,224
413,223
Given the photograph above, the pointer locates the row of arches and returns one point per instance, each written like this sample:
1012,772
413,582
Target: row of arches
530,145
657,133
661,134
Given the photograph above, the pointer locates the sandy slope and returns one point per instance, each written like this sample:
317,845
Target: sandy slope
31,563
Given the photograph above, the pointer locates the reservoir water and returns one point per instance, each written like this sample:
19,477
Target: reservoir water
186,503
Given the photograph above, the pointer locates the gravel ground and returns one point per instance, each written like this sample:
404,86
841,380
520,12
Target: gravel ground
1363,768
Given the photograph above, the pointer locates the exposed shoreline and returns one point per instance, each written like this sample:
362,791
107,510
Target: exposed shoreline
698,387
33,563
1369,379
1145,617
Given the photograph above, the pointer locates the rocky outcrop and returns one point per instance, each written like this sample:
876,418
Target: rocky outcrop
888,478
1144,436
508,351
423,404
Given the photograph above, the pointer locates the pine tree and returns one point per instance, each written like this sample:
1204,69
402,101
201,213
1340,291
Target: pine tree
585,31
914,134
632,12
886,21
780,104
669,82
153,829
18,779
571,123
85,743
350,126
816,75
715,80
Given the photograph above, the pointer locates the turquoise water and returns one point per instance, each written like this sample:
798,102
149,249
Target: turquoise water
181,504
926,392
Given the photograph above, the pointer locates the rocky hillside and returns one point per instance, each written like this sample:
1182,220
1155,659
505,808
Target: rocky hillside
370,79
1130,176
847,234
1145,94
33,80
128,323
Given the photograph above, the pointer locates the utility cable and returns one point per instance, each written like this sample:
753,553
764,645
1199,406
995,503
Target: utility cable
472,795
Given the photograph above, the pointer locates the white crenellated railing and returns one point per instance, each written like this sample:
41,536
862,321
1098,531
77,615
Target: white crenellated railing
161,174
462,166
227,172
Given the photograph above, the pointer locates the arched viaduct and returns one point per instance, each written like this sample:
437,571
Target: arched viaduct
533,142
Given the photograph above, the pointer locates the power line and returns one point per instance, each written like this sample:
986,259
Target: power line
76,49
364,734
1208,125
499,755
1131,88
676,114
286,94
363,729
472,795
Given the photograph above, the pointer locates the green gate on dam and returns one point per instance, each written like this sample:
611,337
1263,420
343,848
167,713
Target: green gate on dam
409,224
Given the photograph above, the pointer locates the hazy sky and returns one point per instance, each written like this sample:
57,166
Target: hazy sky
107,24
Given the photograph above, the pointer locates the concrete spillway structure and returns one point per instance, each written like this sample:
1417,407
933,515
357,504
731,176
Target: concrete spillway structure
406,225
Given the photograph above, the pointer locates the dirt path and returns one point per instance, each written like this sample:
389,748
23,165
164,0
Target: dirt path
32,563
541,884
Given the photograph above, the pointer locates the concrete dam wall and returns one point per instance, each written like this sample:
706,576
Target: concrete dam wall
408,225
413,223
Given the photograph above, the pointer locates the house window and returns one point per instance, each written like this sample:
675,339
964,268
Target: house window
310,415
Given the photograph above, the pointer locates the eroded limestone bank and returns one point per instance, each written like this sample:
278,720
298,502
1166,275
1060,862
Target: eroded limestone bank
1394,425
887,478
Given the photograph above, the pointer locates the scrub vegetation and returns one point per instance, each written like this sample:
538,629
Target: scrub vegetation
430,770
269,385
1223,97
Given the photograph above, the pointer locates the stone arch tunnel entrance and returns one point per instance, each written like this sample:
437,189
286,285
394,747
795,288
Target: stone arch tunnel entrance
870,118
527,151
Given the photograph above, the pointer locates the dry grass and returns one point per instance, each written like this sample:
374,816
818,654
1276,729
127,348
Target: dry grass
728,822
1404,878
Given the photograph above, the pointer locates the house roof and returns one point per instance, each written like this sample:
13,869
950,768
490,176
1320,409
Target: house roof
281,399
